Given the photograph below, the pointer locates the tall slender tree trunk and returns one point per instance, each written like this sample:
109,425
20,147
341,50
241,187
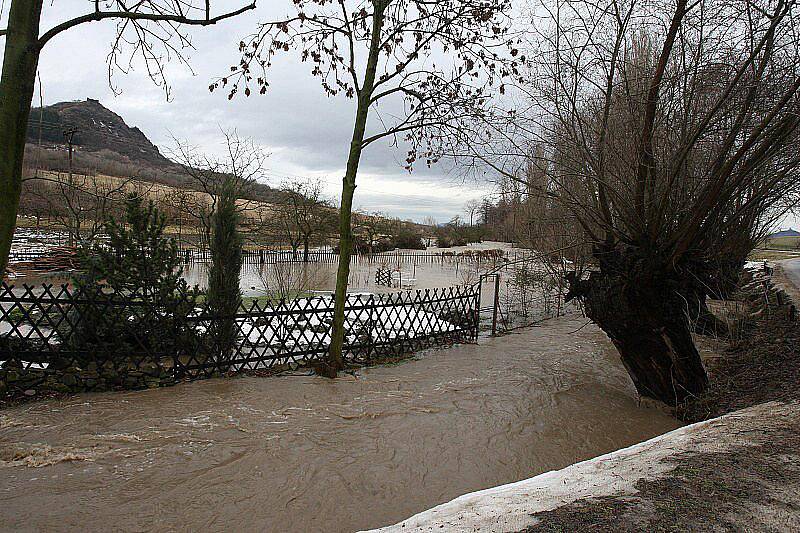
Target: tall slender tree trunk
305,249
335,361
16,92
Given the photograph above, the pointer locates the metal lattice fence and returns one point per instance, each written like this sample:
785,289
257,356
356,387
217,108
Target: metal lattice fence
78,340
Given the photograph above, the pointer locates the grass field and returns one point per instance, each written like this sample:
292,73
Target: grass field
159,193
783,243
777,248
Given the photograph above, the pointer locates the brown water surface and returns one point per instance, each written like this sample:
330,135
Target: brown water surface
301,453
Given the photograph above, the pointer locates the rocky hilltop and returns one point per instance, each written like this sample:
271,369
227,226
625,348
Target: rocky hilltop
104,143
98,129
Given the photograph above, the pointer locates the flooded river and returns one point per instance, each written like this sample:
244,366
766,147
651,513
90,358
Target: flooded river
301,453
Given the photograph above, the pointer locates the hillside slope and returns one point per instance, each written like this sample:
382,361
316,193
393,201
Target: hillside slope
105,144
98,129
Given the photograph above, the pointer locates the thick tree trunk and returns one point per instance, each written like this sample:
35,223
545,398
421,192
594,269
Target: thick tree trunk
335,360
644,313
16,92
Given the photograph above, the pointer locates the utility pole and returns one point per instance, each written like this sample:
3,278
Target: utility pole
69,133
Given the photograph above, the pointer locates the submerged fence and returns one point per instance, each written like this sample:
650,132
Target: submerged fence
266,256
271,256
68,339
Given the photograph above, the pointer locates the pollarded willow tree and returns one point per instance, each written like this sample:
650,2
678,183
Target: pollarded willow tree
669,130
150,30
431,65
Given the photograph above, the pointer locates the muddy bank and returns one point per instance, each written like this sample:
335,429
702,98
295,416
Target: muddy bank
738,472
300,453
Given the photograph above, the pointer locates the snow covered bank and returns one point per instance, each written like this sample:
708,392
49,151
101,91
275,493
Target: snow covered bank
510,508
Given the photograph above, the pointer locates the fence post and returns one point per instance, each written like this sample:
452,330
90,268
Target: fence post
478,307
496,303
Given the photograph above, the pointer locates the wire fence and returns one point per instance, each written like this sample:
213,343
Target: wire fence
64,338
269,256
328,256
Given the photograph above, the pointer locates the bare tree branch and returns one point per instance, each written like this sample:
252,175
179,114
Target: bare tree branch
98,15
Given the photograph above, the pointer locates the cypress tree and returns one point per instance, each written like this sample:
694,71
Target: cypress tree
224,295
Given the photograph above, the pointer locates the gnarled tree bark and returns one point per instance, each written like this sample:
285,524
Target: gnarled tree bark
643,308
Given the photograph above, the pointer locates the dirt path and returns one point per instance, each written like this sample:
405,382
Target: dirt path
300,453
788,276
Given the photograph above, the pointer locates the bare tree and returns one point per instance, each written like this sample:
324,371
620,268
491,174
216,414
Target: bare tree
235,173
669,132
303,215
179,204
471,208
371,227
149,29
386,52
78,204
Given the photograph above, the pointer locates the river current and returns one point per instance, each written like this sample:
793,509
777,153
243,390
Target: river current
303,453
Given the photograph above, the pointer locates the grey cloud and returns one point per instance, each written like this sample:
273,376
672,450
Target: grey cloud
307,132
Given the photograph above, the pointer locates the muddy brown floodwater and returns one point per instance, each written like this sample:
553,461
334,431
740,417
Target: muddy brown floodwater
301,453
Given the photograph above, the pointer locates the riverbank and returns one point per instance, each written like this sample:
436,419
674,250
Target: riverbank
737,471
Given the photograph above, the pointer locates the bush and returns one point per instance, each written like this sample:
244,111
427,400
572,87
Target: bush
408,240
451,235
132,298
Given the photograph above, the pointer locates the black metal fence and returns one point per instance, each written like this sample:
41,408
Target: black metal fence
65,338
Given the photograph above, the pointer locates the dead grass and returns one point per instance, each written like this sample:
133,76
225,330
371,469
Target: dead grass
772,255
763,365
754,488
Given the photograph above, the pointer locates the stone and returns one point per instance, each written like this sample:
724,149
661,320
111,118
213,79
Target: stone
29,392
59,387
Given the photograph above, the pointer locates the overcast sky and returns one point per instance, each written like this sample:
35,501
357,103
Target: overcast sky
306,133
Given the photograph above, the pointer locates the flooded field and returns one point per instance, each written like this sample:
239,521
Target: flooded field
301,453
298,277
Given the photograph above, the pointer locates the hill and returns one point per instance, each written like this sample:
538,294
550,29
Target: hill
98,129
785,233
105,144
